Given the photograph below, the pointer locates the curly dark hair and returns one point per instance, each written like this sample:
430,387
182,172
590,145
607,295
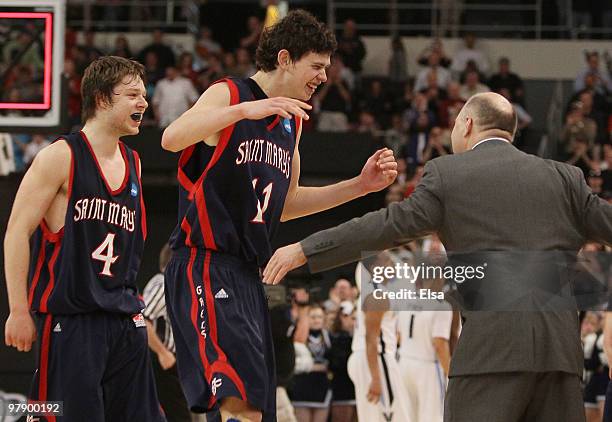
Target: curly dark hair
299,33
100,78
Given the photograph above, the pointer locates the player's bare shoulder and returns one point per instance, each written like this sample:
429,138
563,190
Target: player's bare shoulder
217,95
53,163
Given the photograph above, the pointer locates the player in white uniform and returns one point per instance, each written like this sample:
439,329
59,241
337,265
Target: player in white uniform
424,358
379,390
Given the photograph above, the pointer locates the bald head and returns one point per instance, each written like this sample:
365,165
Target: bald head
485,115
491,111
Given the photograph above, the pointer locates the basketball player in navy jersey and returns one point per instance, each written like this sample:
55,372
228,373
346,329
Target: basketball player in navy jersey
82,200
238,175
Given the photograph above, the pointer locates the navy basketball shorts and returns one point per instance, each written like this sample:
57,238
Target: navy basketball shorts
221,326
98,365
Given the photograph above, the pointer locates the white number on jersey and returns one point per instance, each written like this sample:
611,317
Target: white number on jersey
260,210
104,253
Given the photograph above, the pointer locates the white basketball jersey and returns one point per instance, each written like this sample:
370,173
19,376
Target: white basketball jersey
388,328
418,329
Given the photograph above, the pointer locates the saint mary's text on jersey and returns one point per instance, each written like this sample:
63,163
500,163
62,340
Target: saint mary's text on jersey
264,151
103,210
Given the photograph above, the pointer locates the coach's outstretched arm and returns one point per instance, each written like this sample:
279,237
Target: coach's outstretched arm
48,175
399,223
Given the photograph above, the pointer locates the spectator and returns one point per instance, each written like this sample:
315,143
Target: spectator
244,64
506,79
469,52
606,168
578,127
602,82
395,192
579,156
73,81
311,393
37,143
367,123
173,96
451,105
185,67
420,104
435,47
254,28
165,55
597,113
351,48
229,64
161,343
334,101
398,69
443,76
419,138
415,179
213,73
343,391
205,40
435,148
153,74
471,66
377,102
89,46
404,102
472,86
396,136
341,292
122,47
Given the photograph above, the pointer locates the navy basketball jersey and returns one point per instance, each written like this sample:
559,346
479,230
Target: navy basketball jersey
231,196
92,262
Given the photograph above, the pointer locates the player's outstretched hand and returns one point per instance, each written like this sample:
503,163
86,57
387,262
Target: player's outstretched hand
283,106
284,260
20,331
379,171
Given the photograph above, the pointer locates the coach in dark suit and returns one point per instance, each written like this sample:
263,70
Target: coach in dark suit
508,366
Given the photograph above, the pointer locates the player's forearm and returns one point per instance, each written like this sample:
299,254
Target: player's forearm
443,353
16,262
197,125
372,356
154,341
310,200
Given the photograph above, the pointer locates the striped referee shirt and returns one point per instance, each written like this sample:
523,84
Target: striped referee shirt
156,312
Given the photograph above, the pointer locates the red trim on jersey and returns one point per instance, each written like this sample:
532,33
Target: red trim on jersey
49,288
71,177
143,211
39,263
125,160
298,125
44,359
187,229
194,315
274,123
221,364
185,182
51,236
226,134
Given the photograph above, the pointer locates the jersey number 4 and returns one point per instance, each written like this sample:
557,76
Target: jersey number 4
104,253
261,209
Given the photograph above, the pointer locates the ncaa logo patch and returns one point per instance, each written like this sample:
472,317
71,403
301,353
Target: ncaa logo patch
287,124
134,190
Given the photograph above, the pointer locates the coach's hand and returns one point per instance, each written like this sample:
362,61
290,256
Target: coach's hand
20,330
283,106
374,391
284,260
379,171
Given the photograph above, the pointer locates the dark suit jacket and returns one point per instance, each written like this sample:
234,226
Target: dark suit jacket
493,197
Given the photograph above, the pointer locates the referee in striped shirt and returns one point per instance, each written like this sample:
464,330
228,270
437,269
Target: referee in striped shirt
161,342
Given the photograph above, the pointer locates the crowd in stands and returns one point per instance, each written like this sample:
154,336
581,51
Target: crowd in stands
411,114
